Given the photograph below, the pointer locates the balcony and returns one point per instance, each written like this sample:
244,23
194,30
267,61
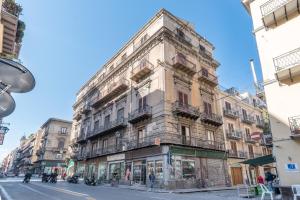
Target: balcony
234,135
108,128
274,11
237,154
260,124
208,78
248,119
141,71
231,113
86,109
287,67
113,89
248,139
81,138
77,116
140,114
180,62
295,127
185,110
211,118
10,23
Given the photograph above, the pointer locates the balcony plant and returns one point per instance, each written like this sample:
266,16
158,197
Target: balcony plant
12,7
20,31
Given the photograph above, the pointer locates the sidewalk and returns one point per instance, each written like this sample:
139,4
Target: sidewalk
176,191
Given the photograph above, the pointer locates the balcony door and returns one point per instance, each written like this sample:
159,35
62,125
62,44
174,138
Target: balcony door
185,134
230,128
106,121
227,105
182,99
141,137
233,147
142,103
244,113
207,108
120,115
250,149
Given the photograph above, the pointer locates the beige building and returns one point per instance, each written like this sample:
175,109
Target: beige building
11,29
152,108
276,28
243,117
53,144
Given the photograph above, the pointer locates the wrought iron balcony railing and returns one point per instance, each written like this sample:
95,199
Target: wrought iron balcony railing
287,60
86,109
140,114
272,5
236,135
248,139
231,113
143,69
295,127
185,110
180,61
109,127
211,118
237,154
260,123
248,119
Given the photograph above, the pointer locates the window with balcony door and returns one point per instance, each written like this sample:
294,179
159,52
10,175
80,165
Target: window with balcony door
230,128
227,105
94,148
233,147
204,72
250,149
141,136
63,130
244,114
202,48
247,131
207,108
180,33
61,144
120,114
106,121
258,118
142,103
264,151
104,145
182,98
210,137
144,38
185,134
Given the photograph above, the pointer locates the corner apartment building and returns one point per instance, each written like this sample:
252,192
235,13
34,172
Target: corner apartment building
243,117
152,107
11,29
54,137
8,162
276,28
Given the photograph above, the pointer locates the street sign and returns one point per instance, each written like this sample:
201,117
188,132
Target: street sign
1,138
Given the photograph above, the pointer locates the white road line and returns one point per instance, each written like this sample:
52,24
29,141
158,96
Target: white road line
160,198
36,191
63,190
6,195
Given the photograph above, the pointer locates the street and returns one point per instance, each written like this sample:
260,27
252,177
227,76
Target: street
35,190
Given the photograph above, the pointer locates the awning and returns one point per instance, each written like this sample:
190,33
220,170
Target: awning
259,161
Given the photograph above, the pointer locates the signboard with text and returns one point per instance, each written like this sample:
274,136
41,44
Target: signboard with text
291,167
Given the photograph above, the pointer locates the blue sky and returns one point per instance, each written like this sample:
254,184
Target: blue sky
67,41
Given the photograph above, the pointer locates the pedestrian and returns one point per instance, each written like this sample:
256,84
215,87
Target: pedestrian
269,177
152,179
260,180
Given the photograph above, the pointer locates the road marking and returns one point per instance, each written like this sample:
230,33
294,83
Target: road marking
36,191
88,198
6,195
63,190
160,198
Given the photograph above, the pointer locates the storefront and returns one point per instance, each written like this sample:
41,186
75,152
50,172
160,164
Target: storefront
116,167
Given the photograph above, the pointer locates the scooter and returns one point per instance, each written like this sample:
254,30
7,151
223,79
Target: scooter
72,179
45,178
53,178
26,179
90,181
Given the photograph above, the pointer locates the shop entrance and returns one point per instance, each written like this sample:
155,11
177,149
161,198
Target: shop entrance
237,175
139,172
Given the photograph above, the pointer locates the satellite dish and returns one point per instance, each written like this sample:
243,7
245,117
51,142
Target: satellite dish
7,104
16,76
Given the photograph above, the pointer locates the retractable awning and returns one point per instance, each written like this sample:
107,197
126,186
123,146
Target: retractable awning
259,161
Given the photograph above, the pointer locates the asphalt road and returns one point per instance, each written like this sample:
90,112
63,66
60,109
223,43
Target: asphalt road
35,190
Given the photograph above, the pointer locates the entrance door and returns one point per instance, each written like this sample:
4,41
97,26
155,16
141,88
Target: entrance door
237,175
139,172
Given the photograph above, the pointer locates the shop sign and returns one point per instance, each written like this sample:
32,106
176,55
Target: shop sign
291,167
116,157
256,136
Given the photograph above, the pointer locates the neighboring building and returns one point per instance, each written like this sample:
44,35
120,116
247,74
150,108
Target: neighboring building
153,107
276,28
54,137
11,28
243,117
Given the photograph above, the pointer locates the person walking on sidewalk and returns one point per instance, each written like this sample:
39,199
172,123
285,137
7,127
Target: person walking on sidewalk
152,180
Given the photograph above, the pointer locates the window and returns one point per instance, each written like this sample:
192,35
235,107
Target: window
230,128
61,144
142,103
233,146
210,136
244,113
227,105
141,136
106,121
250,149
201,48
59,156
247,131
257,118
265,151
94,148
188,169
144,38
180,33
124,56
207,108
204,72
96,124
185,133
104,146
182,98
159,169
63,130
120,114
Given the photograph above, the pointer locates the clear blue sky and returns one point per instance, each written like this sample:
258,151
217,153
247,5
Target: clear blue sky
67,41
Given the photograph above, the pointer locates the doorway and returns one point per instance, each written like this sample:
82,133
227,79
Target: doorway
237,175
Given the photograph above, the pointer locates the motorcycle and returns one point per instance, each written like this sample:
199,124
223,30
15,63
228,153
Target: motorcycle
53,178
45,178
27,178
72,179
90,181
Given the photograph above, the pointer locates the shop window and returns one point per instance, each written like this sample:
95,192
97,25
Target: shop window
150,167
188,169
159,169
102,171
178,169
